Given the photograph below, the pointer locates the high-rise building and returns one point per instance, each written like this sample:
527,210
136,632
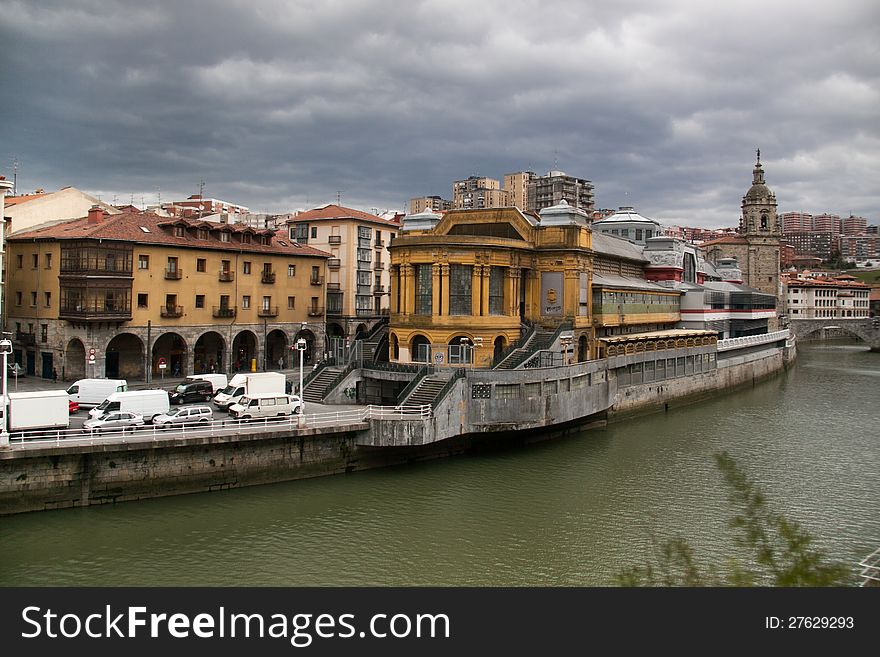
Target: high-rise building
796,222
827,223
478,192
813,243
434,203
556,186
854,225
516,185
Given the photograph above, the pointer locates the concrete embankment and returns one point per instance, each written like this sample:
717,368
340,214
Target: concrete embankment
482,408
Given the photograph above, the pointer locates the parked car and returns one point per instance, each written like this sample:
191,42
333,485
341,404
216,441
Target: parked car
15,369
265,406
192,390
183,416
114,421
72,407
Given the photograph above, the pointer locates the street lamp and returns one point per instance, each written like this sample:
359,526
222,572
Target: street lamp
301,348
5,350
565,341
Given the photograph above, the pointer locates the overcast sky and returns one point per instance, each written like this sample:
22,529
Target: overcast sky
280,105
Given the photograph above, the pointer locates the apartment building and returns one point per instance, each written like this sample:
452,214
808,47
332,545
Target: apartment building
556,186
433,203
843,297
357,271
478,192
136,288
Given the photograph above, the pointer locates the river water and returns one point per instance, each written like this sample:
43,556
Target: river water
574,511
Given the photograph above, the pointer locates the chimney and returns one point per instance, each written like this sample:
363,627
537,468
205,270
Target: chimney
96,215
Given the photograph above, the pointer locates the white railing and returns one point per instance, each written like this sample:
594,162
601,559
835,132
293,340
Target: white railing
752,340
230,427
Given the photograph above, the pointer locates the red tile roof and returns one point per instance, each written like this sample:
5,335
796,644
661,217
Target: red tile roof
129,227
728,239
331,211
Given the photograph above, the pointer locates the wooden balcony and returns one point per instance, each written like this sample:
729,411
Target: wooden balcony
271,311
98,311
173,274
226,276
172,311
224,311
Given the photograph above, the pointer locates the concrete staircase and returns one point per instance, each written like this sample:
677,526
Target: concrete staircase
426,392
541,339
316,389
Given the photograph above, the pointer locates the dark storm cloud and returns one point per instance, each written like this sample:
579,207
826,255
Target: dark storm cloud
279,105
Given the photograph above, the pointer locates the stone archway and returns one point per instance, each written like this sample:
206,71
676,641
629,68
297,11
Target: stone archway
277,353
420,349
582,349
394,348
498,348
209,353
244,351
74,361
124,357
173,348
360,331
309,354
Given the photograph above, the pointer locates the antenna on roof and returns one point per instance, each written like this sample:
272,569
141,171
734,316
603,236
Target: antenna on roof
159,196
201,196
14,176
339,197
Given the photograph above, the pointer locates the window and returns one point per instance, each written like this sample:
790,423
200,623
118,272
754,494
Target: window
172,265
201,264
316,273
48,298
638,234
224,266
20,261
224,236
245,238
460,281
179,231
48,261
246,269
423,289
224,302
300,233
291,303
18,298
143,262
33,298
291,270
200,301
496,291
314,232
142,300
44,333
202,233
267,303
36,260
246,301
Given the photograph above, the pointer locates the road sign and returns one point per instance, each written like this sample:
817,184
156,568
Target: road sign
162,364
91,359
92,352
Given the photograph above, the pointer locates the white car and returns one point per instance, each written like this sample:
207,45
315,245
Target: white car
201,415
114,421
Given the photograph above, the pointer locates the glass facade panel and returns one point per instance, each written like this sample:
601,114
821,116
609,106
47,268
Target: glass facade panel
460,286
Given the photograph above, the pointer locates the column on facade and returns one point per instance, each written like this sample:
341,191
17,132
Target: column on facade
395,289
476,292
435,290
511,284
484,296
571,287
409,289
444,297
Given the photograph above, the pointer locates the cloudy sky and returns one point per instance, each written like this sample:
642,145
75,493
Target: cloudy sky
282,104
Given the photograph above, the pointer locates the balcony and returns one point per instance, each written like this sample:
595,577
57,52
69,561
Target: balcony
267,277
380,243
226,276
334,263
315,311
333,287
224,311
26,339
335,239
95,311
172,311
379,266
317,280
378,289
173,274
268,311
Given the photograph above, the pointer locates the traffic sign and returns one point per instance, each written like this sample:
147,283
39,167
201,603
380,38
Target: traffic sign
91,359
92,352
162,364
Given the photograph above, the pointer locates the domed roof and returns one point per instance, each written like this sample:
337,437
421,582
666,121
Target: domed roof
563,214
626,214
758,191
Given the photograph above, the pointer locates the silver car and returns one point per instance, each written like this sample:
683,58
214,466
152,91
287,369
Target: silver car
114,421
201,415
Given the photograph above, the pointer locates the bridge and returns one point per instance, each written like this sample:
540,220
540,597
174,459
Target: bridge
868,328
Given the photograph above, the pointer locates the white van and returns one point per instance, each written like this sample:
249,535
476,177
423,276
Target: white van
218,381
148,403
261,406
91,392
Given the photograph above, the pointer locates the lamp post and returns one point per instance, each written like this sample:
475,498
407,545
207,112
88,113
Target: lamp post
301,348
5,349
565,341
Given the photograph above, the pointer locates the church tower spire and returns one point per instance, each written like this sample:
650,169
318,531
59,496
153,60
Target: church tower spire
759,207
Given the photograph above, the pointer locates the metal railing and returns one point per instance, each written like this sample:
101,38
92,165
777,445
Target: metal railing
870,572
267,276
334,239
226,276
315,311
753,340
269,311
223,311
171,311
519,344
421,373
173,274
460,373
230,427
